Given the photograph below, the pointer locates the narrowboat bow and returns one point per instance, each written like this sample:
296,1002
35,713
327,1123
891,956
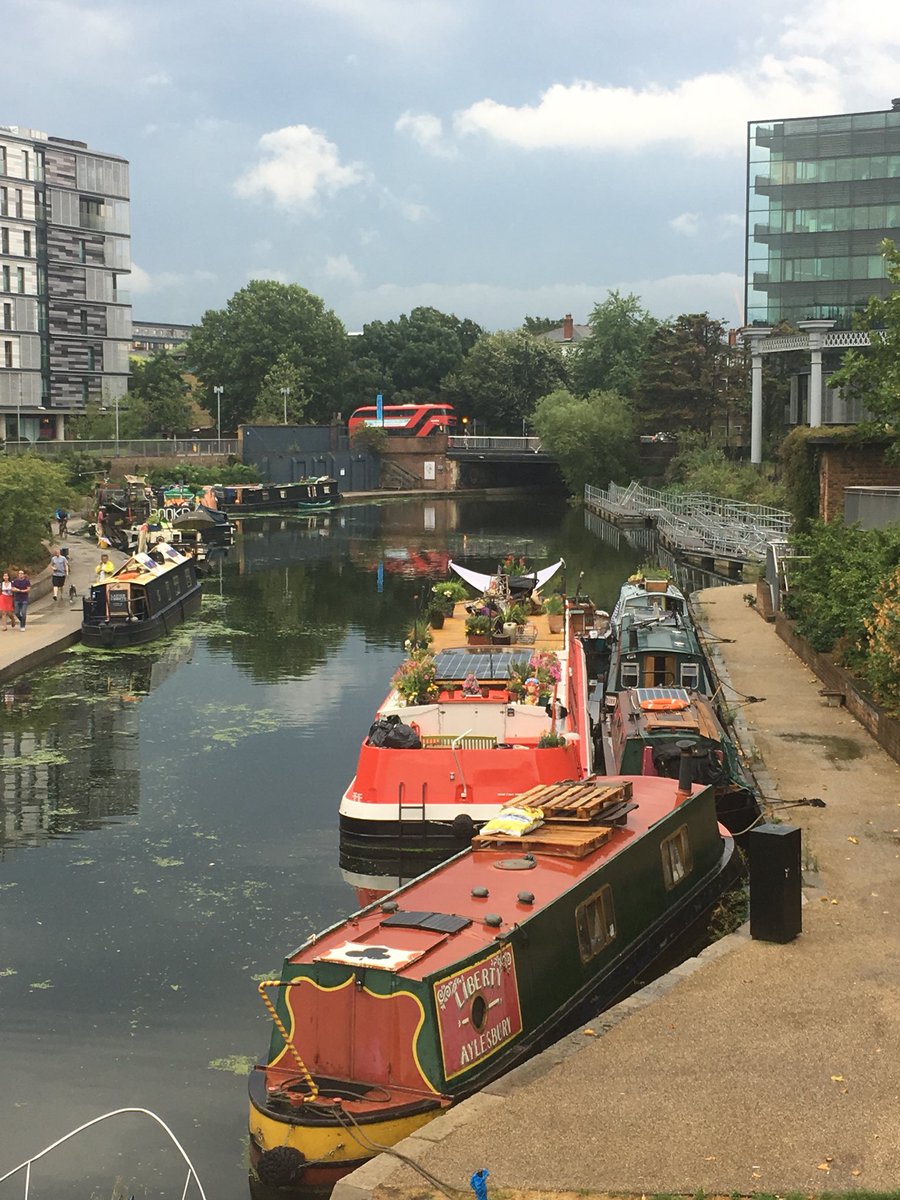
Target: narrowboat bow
421,999
143,599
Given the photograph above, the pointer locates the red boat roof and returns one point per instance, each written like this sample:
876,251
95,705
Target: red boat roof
459,907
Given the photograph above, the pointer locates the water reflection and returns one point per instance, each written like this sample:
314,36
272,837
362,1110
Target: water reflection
168,817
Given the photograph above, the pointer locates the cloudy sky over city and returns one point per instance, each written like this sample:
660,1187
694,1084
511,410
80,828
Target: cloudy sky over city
492,158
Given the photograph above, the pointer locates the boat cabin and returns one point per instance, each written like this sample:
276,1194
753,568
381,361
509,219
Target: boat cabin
143,586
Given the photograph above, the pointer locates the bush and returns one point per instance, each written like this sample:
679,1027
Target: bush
882,666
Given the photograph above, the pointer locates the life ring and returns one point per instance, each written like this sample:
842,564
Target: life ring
663,705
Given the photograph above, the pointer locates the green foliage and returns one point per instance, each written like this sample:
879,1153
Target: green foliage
832,593
272,403
882,664
95,423
689,376
83,469
158,399
236,348
198,476
610,360
593,437
537,325
703,466
369,439
502,378
31,488
800,463
873,376
478,623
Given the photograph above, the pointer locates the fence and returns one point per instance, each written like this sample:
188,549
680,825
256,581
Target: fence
140,448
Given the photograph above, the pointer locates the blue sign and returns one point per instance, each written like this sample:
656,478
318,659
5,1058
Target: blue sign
379,409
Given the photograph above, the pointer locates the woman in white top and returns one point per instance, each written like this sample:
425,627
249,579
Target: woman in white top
6,602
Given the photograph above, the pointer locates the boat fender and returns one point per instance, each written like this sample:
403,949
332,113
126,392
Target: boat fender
280,1166
463,827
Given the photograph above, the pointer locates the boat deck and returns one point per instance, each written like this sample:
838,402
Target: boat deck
453,634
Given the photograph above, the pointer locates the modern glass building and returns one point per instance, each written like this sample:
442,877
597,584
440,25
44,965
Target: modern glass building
822,193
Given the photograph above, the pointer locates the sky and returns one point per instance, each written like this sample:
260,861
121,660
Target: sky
491,158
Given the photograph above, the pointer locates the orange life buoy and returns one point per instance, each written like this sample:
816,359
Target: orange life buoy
663,705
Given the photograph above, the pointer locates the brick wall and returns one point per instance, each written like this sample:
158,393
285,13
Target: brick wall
851,466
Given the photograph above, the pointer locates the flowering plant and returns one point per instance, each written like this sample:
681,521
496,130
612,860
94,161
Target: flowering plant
543,666
416,678
512,565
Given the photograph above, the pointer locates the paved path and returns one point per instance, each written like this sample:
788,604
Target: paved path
52,627
759,1067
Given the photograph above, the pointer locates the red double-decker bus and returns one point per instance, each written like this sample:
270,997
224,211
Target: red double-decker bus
405,420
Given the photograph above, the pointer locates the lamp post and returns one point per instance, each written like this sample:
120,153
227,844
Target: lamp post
285,392
117,426
218,390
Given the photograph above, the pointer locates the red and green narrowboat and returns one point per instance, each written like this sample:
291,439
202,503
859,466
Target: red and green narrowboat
419,1000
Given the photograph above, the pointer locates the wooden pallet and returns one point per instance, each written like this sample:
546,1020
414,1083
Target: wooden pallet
573,801
568,841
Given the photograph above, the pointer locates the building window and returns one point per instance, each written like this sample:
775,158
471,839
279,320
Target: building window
82,251
677,862
7,354
83,320
7,316
19,208
84,392
4,202
4,275
2,160
595,921
4,240
91,358
26,243
20,279
26,164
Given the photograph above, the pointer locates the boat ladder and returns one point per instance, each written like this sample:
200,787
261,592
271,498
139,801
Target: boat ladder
410,810
191,1177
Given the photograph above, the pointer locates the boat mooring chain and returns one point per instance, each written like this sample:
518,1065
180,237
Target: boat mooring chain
279,1025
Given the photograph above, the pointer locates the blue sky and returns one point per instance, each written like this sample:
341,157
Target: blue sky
493,158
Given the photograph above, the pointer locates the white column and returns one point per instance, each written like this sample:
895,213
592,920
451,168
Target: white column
815,332
752,336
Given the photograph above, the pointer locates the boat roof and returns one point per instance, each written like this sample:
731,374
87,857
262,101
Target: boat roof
462,906
648,711
141,568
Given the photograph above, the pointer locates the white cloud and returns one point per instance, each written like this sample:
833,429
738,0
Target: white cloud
157,79
408,25
687,223
339,269
298,164
142,283
427,131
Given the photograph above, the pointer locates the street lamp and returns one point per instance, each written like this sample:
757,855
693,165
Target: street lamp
218,390
285,392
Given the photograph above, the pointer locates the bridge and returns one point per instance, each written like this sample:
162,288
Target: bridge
467,448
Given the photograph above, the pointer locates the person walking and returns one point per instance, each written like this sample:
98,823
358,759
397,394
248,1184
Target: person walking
62,517
21,588
60,567
6,602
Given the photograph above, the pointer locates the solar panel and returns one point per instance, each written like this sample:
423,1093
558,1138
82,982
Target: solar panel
434,922
662,693
487,663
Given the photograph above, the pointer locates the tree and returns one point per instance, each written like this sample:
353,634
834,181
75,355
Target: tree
611,357
538,325
593,437
502,378
873,376
31,488
159,396
273,402
681,377
235,348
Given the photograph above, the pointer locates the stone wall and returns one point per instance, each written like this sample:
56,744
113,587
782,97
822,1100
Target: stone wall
883,728
843,466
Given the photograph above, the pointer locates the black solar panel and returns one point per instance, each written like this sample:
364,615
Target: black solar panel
487,664
434,922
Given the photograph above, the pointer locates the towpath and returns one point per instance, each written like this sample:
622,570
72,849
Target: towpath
755,1068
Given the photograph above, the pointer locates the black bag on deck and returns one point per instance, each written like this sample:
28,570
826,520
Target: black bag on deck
391,733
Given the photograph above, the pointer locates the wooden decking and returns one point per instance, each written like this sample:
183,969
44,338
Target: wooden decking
568,841
453,635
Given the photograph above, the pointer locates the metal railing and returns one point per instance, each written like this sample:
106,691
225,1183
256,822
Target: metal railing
696,520
139,448
26,1166
520,445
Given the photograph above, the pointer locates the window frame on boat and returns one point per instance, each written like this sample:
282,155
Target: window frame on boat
630,673
596,914
690,675
676,869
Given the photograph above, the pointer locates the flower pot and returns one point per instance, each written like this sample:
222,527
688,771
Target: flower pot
436,620
555,622
478,639
499,639
511,629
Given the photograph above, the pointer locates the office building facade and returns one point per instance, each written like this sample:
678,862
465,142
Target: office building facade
65,258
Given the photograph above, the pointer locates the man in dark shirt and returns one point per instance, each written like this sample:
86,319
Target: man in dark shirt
21,587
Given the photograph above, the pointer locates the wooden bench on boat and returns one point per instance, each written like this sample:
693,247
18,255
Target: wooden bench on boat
467,741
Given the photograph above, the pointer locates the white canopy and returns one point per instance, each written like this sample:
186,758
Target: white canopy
483,582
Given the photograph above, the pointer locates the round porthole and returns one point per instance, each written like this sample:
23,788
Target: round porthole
479,1012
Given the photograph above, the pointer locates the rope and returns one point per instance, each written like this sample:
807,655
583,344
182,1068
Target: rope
279,1025
355,1131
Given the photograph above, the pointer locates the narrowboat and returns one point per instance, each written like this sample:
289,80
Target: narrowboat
408,1006
653,642
143,599
488,722
239,499
648,730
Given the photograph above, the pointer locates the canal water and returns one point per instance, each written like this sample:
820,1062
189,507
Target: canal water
168,828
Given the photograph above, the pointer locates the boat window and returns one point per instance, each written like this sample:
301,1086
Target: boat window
595,921
677,861
630,675
690,675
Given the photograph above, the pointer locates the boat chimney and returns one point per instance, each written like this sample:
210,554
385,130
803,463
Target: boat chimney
685,770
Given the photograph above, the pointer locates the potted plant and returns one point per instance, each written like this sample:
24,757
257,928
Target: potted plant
436,614
419,637
447,592
512,617
554,608
550,739
416,679
478,629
